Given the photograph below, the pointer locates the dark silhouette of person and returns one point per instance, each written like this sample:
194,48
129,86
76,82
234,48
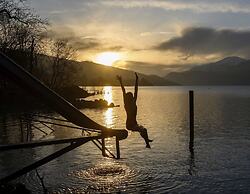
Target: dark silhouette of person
131,110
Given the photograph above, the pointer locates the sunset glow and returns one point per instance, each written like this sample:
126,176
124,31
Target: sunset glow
107,58
108,114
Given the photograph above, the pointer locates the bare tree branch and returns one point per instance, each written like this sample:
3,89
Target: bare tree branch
12,17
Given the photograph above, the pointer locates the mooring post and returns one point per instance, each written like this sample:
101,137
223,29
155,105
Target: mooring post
117,148
191,120
103,147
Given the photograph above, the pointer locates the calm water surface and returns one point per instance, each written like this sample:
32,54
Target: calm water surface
220,163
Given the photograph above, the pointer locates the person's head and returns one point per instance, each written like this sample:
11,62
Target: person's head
129,96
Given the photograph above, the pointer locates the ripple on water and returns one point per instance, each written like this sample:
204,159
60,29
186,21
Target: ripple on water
106,177
111,176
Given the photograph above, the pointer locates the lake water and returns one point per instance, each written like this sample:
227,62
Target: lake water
220,163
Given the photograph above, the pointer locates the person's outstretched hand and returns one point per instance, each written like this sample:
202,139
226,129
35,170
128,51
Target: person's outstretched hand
119,78
136,75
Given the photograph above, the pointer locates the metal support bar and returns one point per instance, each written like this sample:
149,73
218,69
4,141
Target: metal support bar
47,126
39,129
100,146
106,149
103,147
52,118
44,160
45,143
63,125
117,148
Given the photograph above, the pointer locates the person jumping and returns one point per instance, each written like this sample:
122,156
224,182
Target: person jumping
131,110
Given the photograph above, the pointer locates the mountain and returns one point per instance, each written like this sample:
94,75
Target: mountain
149,68
95,74
71,72
228,71
222,65
89,73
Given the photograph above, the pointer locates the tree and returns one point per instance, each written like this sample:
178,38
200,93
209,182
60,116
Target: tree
61,52
23,37
21,32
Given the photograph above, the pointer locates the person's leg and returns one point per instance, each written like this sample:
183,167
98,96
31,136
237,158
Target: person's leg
144,134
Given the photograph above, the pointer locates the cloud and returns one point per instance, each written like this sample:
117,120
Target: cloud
78,42
82,43
98,45
210,6
155,33
205,41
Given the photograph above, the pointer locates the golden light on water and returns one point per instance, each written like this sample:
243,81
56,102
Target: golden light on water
107,58
107,90
108,114
109,117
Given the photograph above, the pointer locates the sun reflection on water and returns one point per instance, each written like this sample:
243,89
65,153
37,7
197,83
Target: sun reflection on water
108,114
107,90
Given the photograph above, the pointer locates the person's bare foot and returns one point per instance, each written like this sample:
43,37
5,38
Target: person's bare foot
148,146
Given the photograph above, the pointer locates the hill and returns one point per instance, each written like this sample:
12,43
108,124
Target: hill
228,71
96,74
89,73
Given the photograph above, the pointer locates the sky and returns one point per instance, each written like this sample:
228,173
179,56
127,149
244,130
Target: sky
151,35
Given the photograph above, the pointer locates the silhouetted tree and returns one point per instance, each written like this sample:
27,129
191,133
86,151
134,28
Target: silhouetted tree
21,32
61,52
23,37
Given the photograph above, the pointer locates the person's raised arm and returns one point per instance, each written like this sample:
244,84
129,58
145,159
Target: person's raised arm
136,86
120,80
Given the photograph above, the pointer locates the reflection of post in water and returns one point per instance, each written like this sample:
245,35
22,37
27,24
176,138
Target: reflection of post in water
192,169
191,120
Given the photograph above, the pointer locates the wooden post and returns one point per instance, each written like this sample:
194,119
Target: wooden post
117,148
103,147
191,120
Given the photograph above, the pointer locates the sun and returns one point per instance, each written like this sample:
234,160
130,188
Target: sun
107,58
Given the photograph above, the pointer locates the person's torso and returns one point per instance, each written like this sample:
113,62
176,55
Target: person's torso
131,110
